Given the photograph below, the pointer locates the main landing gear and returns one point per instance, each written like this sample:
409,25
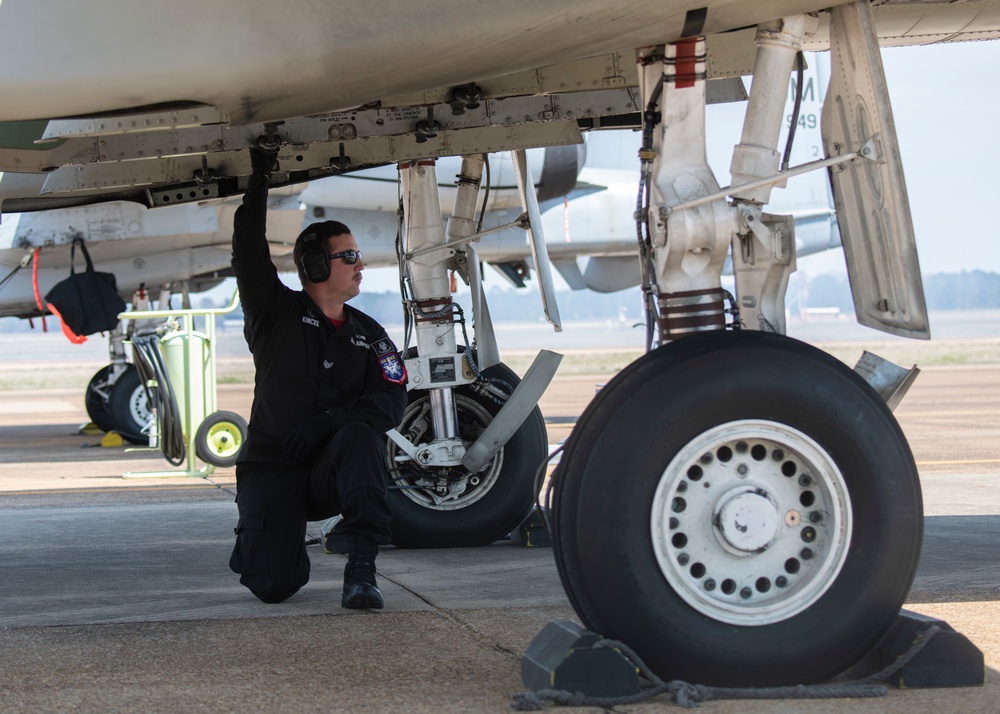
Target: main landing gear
762,530
738,507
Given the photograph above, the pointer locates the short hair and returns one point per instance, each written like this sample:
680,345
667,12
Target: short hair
314,232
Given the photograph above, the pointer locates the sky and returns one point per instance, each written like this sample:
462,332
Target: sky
947,111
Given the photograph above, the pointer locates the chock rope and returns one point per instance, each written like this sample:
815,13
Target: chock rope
690,695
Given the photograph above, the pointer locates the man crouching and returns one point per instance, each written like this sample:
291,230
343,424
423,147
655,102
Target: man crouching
329,383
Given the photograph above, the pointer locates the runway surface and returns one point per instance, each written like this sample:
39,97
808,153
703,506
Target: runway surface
116,596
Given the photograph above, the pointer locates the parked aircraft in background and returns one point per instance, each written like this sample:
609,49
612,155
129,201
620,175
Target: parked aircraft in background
586,193
738,507
187,246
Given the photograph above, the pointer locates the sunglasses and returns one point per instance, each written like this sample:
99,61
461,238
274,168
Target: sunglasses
350,256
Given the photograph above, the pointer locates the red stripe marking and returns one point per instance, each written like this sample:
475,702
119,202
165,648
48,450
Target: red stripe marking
686,62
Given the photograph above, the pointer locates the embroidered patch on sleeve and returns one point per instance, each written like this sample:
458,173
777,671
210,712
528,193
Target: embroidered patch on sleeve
393,369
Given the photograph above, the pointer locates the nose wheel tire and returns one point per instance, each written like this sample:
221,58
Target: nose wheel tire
128,405
220,437
741,509
96,399
448,507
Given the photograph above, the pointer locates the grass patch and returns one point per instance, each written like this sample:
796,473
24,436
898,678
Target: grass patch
240,370
922,354
235,371
904,353
47,376
577,362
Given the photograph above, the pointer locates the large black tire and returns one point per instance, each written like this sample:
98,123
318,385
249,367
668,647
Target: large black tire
741,509
96,400
504,492
128,405
220,437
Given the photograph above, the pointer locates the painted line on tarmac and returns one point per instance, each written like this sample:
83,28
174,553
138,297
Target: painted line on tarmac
950,412
959,462
116,489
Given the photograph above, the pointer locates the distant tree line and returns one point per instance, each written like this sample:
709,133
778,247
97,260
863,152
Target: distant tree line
968,290
514,305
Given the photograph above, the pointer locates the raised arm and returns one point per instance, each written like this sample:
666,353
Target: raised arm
256,276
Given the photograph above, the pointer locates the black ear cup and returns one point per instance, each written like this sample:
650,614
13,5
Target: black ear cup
315,261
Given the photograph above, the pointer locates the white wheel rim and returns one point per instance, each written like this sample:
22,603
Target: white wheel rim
476,486
138,407
751,522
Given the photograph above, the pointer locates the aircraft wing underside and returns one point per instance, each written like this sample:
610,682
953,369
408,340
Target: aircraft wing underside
160,130
174,129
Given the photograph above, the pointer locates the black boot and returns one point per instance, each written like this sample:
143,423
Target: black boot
360,590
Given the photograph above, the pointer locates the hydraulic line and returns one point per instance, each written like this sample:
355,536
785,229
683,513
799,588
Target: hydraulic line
486,193
9,276
651,117
799,67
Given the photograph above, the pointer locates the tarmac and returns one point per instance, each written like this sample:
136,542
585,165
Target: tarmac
116,595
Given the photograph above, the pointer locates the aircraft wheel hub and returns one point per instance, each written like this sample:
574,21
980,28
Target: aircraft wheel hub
751,522
746,519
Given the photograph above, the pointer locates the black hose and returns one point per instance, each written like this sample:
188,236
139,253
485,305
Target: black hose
800,67
151,367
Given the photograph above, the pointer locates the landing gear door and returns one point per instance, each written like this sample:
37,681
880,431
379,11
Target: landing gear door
870,192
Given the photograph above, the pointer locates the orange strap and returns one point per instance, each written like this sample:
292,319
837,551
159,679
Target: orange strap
70,335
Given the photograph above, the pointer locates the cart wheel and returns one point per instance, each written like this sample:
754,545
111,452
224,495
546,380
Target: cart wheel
220,437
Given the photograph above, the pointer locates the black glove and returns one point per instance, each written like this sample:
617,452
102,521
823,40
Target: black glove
303,439
263,161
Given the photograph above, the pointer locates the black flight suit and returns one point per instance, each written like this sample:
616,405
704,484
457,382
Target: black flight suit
303,367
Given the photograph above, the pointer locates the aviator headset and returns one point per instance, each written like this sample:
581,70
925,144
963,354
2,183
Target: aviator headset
313,253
